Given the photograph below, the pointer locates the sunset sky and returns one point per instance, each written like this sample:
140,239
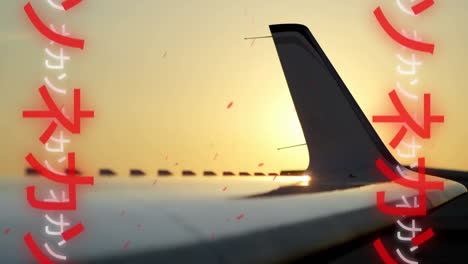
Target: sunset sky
160,74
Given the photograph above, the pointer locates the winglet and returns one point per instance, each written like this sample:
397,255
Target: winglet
342,144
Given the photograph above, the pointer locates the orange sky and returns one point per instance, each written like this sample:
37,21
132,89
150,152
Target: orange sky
149,106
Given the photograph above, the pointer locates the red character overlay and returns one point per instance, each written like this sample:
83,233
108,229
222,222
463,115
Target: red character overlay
383,253
421,185
68,4
424,131
423,237
385,256
405,117
419,8
35,250
54,112
402,40
48,33
56,117
71,180
73,232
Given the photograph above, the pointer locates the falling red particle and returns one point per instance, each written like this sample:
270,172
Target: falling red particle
230,105
227,219
165,54
126,244
240,217
274,178
260,164
155,181
212,235
7,231
122,213
177,163
224,189
138,226
252,43
216,156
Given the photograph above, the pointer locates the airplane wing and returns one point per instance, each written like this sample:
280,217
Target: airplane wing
256,219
